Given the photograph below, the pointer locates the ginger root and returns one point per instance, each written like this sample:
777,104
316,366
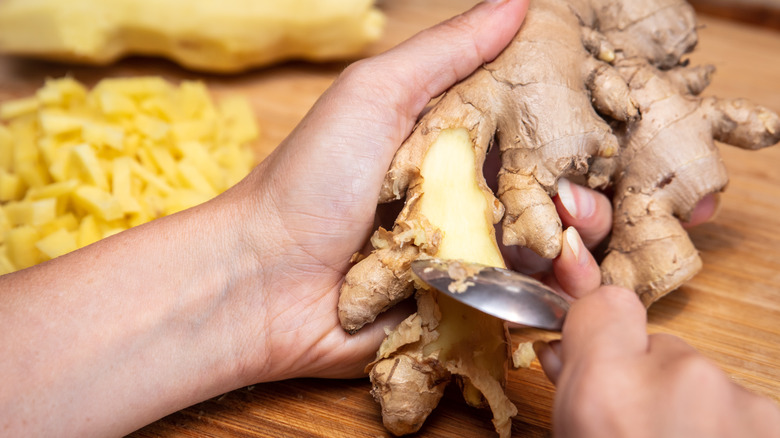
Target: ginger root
443,338
214,36
592,89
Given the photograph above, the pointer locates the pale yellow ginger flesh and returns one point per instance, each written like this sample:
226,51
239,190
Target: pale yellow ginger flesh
465,220
77,165
450,167
446,338
215,36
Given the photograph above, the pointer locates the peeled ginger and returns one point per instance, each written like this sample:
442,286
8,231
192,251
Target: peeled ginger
222,36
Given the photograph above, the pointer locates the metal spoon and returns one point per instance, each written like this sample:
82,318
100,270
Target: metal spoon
505,294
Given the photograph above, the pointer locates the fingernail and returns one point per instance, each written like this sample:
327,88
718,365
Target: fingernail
566,196
495,1
577,202
574,241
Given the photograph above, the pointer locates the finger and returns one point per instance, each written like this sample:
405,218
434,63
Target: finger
590,212
704,211
549,355
607,324
522,259
576,271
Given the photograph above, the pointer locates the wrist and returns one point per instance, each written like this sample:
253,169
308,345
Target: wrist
249,256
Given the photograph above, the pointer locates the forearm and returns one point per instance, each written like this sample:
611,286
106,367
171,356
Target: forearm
109,338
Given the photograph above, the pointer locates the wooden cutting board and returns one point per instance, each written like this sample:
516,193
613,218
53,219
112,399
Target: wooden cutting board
730,311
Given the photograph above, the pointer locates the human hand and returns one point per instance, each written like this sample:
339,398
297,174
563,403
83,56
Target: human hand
313,199
613,379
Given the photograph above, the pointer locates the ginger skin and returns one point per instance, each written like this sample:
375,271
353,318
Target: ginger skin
594,89
657,182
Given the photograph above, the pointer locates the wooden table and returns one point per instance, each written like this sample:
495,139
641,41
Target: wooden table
730,311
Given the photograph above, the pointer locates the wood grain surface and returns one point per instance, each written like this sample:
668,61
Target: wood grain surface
730,311
761,12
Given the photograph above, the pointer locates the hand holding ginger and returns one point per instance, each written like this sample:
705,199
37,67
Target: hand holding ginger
241,289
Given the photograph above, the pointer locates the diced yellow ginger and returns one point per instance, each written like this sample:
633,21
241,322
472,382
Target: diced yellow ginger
152,127
194,179
61,92
92,172
160,107
136,219
65,221
56,121
6,149
109,228
195,101
97,202
152,202
24,132
53,190
193,130
149,177
12,187
20,246
78,165
5,224
238,120
34,174
15,108
165,162
34,213
113,103
88,232
184,199
99,134
121,187
57,243
6,265
235,161
135,87
196,154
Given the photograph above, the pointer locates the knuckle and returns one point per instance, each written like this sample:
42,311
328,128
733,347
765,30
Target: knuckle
691,370
621,298
358,72
696,366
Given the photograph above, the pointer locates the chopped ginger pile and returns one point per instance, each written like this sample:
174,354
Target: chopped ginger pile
77,165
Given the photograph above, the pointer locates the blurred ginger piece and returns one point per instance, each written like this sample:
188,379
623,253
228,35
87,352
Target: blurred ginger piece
77,166
207,35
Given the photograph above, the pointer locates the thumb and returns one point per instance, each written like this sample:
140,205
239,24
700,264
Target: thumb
433,60
356,126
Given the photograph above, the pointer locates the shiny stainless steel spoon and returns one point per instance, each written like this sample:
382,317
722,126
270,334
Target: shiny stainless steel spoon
505,294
